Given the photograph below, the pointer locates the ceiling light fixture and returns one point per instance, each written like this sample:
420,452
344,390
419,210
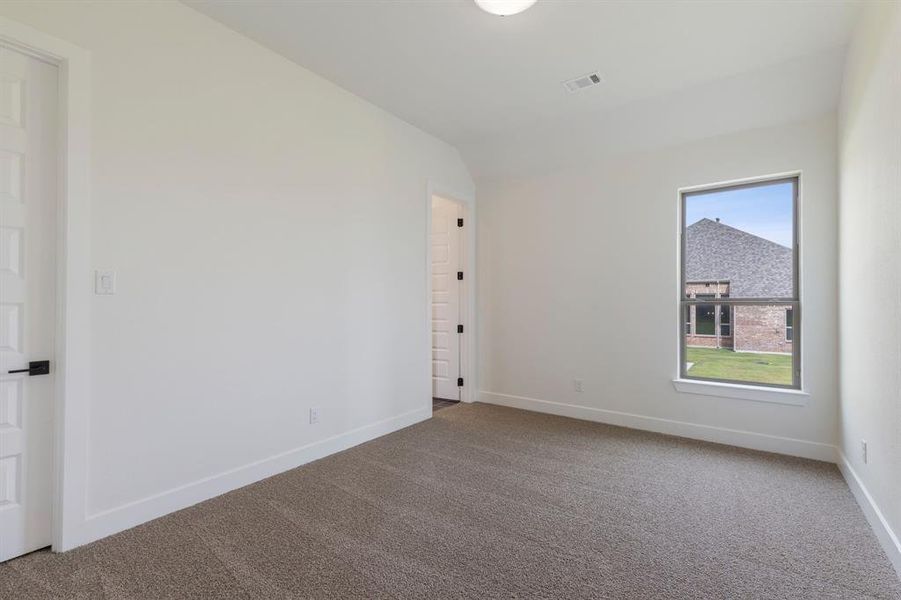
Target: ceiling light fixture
504,8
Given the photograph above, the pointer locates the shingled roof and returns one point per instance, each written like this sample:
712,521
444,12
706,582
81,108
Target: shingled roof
753,266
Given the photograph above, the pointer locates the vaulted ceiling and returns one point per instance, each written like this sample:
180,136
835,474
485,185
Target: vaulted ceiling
492,86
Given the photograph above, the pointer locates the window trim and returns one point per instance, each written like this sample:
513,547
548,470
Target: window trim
794,302
753,392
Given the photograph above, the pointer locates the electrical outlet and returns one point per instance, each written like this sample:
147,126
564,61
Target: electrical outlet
863,450
577,385
314,416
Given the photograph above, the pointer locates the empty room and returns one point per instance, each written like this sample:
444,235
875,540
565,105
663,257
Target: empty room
421,299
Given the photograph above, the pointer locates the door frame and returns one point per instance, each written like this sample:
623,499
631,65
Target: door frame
468,312
71,401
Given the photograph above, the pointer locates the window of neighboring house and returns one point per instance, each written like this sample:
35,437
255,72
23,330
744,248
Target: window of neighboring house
705,321
725,320
739,244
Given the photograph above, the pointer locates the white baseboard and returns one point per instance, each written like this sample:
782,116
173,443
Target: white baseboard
887,538
707,433
108,522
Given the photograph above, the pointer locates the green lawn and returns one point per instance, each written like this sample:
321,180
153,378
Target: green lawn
740,366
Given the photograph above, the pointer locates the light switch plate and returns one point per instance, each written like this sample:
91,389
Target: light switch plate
104,283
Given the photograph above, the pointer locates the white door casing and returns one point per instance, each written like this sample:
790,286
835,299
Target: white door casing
446,296
28,190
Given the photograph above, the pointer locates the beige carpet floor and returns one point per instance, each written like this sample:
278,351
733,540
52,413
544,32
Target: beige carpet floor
489,502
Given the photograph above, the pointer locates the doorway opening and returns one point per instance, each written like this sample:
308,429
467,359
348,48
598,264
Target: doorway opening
449,287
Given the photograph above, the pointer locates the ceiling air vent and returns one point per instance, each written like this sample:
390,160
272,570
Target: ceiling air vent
585,81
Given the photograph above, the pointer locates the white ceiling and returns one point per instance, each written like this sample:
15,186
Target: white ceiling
486,84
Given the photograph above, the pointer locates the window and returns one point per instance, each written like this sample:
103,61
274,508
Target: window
739,273
725,320
705,323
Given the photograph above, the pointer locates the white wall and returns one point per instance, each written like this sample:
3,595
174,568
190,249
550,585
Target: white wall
870,266
578,279
269,233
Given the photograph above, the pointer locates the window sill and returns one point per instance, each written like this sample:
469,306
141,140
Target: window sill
741,392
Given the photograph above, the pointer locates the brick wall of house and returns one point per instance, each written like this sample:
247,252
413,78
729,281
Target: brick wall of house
760,329
709,341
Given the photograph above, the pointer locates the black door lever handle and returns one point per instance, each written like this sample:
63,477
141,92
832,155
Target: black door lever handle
37,367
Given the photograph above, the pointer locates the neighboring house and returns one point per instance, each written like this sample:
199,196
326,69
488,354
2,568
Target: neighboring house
722,262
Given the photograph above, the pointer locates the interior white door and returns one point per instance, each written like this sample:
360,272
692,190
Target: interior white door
28,146
446,291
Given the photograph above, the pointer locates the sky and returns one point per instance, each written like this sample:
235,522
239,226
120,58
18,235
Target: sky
765,210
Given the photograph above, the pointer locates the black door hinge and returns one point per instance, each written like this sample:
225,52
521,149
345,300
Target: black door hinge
459,382
460,275
459,222
459,329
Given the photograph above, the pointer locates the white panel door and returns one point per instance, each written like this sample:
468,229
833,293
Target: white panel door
446,289
28,145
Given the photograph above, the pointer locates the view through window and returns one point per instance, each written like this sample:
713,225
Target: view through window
739,284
